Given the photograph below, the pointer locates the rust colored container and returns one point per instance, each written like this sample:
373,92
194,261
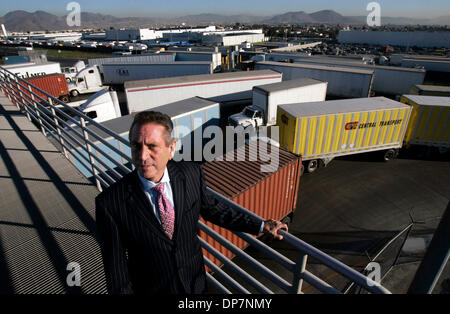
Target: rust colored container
270,195
54,84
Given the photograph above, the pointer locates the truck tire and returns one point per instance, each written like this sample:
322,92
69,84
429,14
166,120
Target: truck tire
312,165
74,93
389,155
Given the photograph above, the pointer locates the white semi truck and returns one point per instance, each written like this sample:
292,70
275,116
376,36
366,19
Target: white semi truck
94,78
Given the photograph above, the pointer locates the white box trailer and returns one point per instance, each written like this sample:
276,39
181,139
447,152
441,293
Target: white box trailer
26,70
342,82
429,65
141,59
221,87
188,116
430,90
266,99
120,73
387,79
210,56
288,92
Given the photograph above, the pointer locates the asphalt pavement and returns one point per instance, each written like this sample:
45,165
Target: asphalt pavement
352,208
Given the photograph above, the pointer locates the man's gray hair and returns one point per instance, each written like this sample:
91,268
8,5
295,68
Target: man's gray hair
156,117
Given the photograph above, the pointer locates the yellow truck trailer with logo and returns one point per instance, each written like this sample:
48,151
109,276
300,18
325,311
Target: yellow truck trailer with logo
430,119
321,131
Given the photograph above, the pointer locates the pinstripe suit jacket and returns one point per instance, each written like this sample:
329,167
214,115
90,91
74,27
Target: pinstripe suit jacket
138,256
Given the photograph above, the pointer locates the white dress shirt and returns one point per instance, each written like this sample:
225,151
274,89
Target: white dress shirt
152,195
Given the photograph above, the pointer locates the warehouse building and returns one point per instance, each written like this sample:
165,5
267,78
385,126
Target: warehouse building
232,39
405,39
132,34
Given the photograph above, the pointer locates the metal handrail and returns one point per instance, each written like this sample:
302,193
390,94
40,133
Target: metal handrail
51,124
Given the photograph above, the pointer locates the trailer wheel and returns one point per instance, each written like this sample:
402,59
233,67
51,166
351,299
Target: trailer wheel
389,155
312,165
74,93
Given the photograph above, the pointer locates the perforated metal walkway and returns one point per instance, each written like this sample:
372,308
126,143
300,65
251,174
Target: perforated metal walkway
47,214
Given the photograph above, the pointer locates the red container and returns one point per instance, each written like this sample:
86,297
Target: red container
54,84
270,195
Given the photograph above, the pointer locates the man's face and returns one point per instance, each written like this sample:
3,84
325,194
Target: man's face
149,150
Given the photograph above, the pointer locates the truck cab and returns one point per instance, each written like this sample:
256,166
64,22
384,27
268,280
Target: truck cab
251,115
102,106
87,80
71,72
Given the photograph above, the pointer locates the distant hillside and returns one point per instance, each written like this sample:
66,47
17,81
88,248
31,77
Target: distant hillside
320,17
291,18
40,20
203,19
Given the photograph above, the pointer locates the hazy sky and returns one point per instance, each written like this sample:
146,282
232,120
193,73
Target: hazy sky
403,8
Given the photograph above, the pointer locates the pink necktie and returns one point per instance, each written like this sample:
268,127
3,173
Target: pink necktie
166,211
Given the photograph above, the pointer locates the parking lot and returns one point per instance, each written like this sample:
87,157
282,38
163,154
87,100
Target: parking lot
353,207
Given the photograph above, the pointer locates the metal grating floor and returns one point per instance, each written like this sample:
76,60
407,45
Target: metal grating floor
46,214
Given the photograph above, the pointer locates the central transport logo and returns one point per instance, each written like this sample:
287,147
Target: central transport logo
351,125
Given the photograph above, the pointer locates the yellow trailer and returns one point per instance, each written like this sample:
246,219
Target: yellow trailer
430,90
430,119
321,131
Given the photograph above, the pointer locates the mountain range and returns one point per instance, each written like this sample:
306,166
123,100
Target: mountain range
41,20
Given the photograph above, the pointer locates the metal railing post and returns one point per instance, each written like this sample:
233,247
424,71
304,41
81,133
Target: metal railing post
89,150
38,115
24,105
8,93
61,140
435,258
298,273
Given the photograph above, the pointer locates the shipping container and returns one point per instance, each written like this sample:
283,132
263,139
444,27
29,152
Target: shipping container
121,73
430,90
270,195
389,80
53,84
324,130
187,116
342,82
15,59
430,119
220,87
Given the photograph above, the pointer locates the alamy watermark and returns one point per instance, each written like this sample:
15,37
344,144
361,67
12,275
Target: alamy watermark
212,143
74,17
374,17
373,271
74,277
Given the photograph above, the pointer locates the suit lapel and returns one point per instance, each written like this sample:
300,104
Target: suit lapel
178,184
138,202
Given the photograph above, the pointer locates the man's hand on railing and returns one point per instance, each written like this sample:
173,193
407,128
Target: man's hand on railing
271,228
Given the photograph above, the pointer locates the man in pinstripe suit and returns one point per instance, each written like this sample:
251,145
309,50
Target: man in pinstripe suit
141,254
